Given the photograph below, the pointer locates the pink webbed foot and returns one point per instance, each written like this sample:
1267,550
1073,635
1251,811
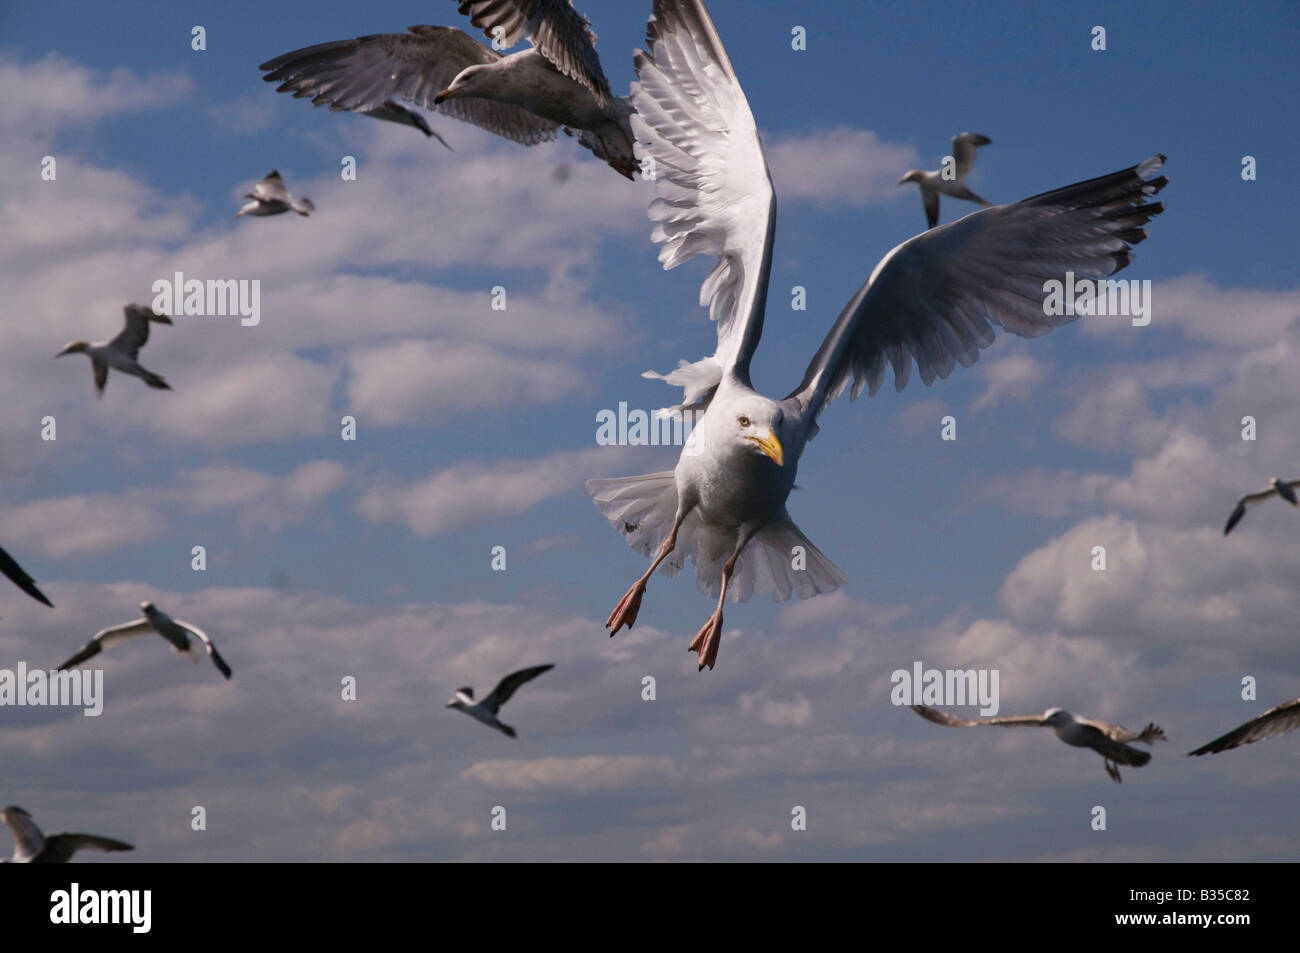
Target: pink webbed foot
624,613
708,641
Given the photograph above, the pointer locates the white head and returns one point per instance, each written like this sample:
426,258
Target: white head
913,175
459,699
1056,717
74,347
468,82
754,425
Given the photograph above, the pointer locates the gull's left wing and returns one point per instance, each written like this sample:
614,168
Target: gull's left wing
510,684
28,839
202,636
59,848
953,721
934,299
135,334
18,576
1275,721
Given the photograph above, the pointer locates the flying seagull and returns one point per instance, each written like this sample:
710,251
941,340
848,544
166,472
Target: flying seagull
527,97
1109,741
1283,488
1276,721
33,847
123,351
932,183
270,197
173,630
9,566
486,710
932,300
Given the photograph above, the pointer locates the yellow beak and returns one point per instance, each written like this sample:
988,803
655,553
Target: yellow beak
772,447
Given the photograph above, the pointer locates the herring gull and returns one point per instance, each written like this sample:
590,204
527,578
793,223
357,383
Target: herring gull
527,97
270,197
33,847
1109,741
932,300
158,622
932,183
1276,721
123,352
486,710
18,576
1281,488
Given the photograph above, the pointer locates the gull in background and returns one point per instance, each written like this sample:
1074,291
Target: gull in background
1283,488
270,197
486,710
527,97
933,300
1109,741
123,351
9,566
33,847
1276,721
156,621
932,183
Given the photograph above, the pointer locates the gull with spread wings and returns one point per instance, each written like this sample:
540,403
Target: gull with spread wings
932,301
159,623
270,197
932,183
1109,741
527,97
33,847
1284,489
486,710
123,352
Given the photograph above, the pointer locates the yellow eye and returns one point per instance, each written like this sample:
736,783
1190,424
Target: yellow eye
743,421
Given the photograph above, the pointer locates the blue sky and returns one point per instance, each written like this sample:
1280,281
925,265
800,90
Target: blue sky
329,558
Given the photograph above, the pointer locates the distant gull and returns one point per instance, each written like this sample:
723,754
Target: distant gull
9,566
122,352
173,630
1276,721
1106,739
526,97
932,183
486,710
932,300
33,847
270,197
1283,488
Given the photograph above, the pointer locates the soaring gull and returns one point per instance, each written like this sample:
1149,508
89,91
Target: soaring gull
270,197
33,847
486,710
123,352
527,97
1282,488
1109,741
932,183
1276,721
158,622
932,300
18,576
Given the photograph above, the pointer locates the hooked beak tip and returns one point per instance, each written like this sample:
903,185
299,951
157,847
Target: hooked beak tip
444,94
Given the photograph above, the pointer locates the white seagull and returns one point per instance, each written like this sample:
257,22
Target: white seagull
18,576
1276,721
486,710
33,847
122,353
173,630
932,300
270,197
1283,488
1109,741
527,97
932,183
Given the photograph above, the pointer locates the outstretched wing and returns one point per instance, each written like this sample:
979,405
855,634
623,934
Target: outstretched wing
934,299
1275,721
9,566
1006,721
964,145
59,848
508,685
365,73
1245,503
136,333
28,838
213,654
107,637
555,29
1148,735
271,188
714,195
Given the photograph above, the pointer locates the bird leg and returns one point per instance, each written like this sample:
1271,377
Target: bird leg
708,640
1112,768
624,613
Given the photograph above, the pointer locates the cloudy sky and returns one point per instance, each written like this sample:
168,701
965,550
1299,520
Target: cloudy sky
476,428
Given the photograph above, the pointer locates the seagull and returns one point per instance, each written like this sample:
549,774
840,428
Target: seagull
932,183
173,630
1283,488
270,197
526,97
1106,739
9,566
932,300
33,847
486,710
122,352
1276,721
